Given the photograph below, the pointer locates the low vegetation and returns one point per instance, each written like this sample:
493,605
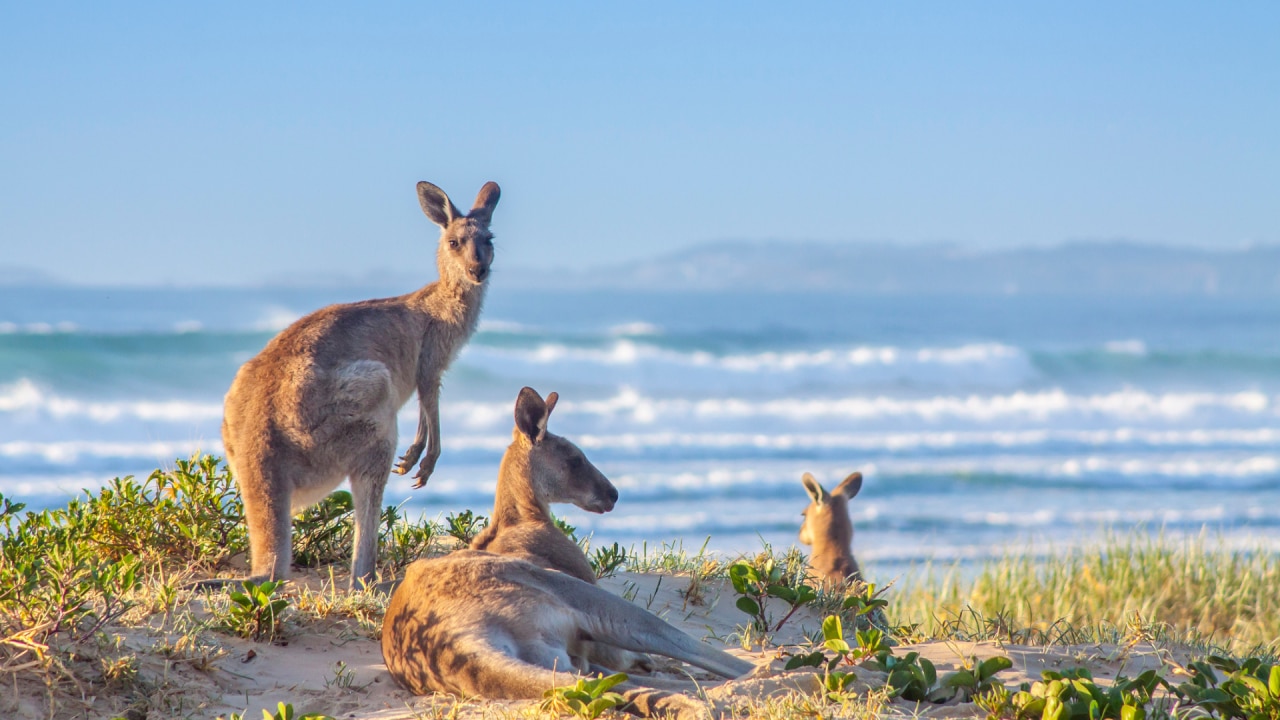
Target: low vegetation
122,556
587,699
1188,590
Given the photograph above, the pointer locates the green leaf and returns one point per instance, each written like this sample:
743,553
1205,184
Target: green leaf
813,659
1130,712
1273,682
739,575
836,645
959,678
899,679
991,666
1253,684
1053,709
748,606
831,628
783,592
930,672
607,682
1214,695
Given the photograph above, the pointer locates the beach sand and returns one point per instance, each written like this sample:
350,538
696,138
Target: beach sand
334,667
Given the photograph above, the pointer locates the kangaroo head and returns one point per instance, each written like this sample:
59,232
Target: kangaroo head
466,245
826,520
559,470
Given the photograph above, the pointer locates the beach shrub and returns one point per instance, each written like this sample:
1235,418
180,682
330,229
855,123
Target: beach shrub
255,612
570,531
975,678
53,583
402,541
189,516
911,676
765,579
1073,695
465,525
588,698
1251,688
284,711
322,533
606,561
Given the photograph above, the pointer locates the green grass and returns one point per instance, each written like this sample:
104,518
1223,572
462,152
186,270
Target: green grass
1193,590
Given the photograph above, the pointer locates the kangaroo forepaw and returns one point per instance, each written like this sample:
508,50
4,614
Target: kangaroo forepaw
407,460
424,471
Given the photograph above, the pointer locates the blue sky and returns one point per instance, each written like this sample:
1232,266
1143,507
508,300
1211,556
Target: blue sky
226,143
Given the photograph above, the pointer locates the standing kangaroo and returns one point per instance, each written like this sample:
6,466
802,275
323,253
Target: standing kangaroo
829,530
319,403
513,625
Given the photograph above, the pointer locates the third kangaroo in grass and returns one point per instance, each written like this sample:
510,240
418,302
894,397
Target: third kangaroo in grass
829,530
515,624
319,403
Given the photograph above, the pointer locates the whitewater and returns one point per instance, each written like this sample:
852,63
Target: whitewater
982,423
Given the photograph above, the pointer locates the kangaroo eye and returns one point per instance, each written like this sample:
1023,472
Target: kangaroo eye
453,243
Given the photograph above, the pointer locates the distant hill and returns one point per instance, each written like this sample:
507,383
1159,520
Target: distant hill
1100,267
23,276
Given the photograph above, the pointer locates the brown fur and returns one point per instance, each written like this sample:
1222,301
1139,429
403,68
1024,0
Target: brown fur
319,403
477,624
540,468
829,530
515,624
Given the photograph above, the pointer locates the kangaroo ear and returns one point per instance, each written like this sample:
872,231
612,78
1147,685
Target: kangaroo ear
546,415
850,486
486,201
438,207
531,414
816,491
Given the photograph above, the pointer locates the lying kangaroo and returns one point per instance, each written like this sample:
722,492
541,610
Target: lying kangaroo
514,625
540,468
829,530
319,403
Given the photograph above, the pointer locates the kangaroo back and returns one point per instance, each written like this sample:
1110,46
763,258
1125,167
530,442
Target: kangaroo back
828,528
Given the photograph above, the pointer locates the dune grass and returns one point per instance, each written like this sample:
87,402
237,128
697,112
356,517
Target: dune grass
1194,590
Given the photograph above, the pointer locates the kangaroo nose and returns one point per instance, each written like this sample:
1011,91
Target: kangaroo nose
613,494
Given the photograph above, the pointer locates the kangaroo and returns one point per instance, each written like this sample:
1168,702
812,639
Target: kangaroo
515,624
540,468
829,530
319,403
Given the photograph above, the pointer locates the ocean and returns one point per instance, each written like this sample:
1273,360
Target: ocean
983,424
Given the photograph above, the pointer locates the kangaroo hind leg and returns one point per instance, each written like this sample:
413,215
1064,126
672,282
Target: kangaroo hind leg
266,510
611,620
368,481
